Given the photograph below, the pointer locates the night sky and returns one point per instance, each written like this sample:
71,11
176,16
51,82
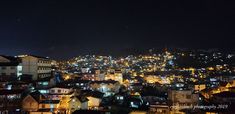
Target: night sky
62,29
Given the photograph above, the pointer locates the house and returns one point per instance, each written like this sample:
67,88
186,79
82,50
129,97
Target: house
182,98
44,83
212,82
60,90
89,76
233,83
224,86
77,83
82,84
119,98
135,102
94,99
31,101
115,75
10,68
199,87
62,94
108,87
64,102
93,75
77,103
136,86
10,101
159,109
37,102
18,85
51,105
152,78
154,100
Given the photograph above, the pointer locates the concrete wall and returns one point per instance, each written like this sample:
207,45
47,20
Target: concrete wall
37,67
29,104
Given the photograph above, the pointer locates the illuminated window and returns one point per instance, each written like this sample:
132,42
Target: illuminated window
43,91
121,98
45,83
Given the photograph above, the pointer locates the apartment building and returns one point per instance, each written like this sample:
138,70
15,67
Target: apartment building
10,68
38,67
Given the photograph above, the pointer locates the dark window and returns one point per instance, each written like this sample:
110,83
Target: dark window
59,91
52,91
3,67
12,67
188,96
13,74
43,106
4,74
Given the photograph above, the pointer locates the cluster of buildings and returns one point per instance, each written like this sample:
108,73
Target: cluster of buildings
163,83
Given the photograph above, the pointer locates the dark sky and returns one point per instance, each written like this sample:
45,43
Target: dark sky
62,29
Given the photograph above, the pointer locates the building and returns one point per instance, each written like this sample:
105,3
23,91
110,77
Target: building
44,84
60,90
199,87
159,109
94,100
120,98
89,76
224,86
115,75
182,99
50,106
108,87
10,68
77,103
10,101
38,67
93,75
85,70
61,94
36,102
82,84
31,102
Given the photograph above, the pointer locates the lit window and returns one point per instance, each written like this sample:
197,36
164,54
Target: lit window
45,83
121,98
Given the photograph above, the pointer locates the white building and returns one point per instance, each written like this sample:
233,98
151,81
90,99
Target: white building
10,68
38,67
